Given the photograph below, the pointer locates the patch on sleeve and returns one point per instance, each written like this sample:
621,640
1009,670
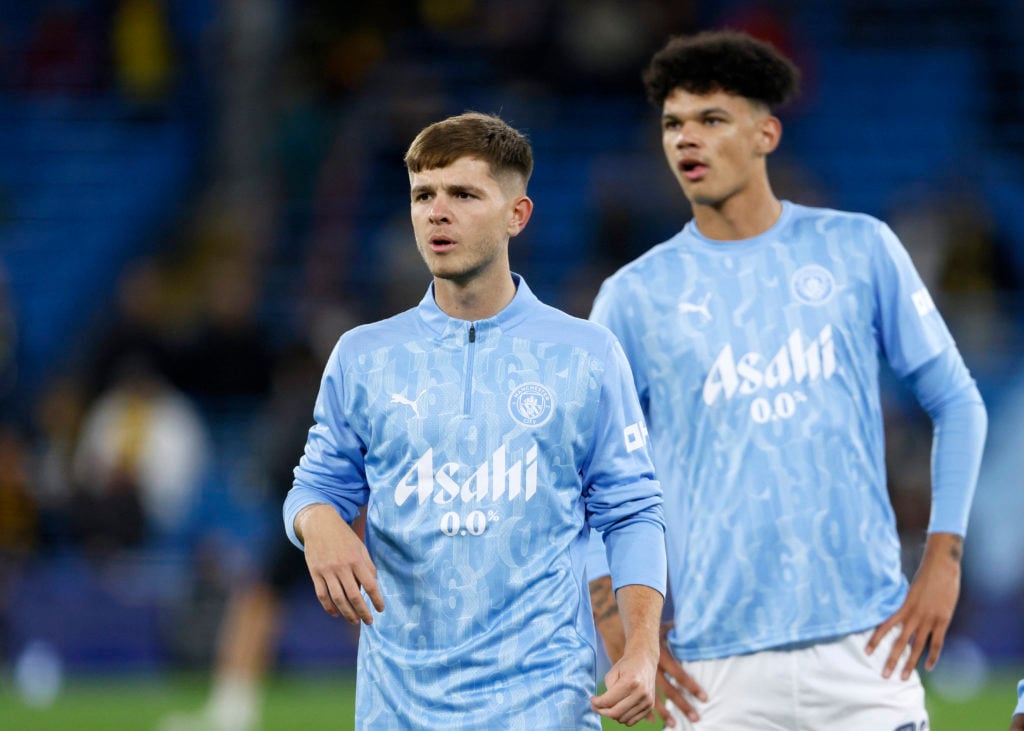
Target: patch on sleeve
922,302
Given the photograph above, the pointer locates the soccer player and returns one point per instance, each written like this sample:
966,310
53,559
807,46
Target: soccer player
486,432
754,336
1018,715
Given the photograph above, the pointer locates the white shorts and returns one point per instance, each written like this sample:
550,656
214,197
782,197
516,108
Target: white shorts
826,686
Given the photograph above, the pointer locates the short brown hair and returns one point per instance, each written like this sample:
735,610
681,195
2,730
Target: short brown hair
723,60
483,136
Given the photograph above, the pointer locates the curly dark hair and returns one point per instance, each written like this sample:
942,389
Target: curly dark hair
722,60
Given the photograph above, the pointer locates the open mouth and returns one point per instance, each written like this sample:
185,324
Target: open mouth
441,244
693,169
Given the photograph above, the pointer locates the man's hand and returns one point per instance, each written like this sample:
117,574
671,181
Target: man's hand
1018,723
609,624
672,690
629,695
338,563
629,690
928,608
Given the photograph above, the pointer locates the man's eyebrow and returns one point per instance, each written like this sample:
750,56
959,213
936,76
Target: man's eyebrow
702,112
461,188
453,189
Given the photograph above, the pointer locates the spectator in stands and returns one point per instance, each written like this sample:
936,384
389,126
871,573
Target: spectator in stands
56,422
136,327
228,355
139,460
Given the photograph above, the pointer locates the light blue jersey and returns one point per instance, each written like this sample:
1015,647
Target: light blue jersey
757,365
484,451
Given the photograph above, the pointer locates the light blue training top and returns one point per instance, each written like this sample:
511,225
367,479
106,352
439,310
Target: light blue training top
484,451
757,364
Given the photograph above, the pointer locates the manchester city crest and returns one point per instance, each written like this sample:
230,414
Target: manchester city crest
813,284
531,404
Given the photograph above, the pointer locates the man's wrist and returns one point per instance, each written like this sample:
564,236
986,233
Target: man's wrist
302,516
944,546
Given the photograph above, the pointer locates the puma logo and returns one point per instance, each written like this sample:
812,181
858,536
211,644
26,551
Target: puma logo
397,398
701,308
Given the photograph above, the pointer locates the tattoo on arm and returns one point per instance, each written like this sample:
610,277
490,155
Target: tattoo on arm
956,549
602,599
612,610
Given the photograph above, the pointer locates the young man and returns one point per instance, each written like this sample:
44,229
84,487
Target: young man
486,432
754,336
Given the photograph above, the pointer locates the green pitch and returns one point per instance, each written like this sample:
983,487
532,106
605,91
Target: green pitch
326,703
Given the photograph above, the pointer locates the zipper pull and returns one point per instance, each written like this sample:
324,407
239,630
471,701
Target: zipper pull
472,333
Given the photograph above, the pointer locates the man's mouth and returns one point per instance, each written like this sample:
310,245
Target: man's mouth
693,169
440,244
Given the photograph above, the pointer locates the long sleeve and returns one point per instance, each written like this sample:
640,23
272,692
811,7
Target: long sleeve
947,392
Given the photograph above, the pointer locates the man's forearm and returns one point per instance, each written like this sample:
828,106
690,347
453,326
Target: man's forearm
607,618
640,608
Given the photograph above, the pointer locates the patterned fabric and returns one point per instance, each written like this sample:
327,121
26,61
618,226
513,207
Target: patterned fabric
484,451
757,365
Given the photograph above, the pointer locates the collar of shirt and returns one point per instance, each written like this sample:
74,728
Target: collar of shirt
515,312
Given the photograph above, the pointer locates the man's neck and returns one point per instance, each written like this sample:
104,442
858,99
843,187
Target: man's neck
738,218
478,300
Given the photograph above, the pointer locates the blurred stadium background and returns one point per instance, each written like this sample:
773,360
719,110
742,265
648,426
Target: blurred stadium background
197,198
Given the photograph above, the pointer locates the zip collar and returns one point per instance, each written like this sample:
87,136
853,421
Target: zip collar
514,312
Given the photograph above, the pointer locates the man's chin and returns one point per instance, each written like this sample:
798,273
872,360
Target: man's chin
452,274
704,200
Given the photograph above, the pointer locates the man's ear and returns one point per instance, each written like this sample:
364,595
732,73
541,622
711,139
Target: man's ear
522,208
769,134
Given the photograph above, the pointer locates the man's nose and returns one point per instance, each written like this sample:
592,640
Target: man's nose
439,212
685,135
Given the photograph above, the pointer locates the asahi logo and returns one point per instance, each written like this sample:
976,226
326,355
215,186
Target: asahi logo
445,483
795,362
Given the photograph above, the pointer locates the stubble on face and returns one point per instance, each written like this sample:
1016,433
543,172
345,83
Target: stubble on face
460,217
